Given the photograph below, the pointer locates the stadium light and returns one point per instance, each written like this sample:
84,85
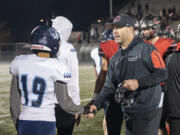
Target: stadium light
42,20
99,21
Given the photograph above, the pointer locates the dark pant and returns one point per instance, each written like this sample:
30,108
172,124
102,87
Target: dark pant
64,121
164,117
114,118
27,127
174,124
143,123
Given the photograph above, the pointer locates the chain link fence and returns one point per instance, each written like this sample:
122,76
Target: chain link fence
8,51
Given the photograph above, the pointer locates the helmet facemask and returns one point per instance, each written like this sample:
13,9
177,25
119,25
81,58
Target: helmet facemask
152,24
148,33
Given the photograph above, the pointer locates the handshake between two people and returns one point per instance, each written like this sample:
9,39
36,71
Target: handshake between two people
90,111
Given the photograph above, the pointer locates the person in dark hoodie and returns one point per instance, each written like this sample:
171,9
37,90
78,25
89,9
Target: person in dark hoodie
135,72
173,91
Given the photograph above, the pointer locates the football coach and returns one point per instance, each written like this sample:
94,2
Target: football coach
137,69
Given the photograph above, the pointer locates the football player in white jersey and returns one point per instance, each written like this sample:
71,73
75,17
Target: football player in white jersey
68,55
96,61
37,79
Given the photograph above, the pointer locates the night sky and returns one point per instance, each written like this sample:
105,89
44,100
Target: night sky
22,15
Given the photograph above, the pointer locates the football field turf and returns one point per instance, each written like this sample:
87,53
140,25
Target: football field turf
86,127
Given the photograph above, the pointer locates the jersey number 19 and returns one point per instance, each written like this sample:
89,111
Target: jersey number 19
38,88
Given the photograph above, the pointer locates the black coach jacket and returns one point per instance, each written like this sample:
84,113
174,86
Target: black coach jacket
140,61
173,84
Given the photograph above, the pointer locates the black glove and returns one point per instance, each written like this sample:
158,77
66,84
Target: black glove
87,110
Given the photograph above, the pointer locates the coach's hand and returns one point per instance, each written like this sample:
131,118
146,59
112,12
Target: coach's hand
89,103
131,84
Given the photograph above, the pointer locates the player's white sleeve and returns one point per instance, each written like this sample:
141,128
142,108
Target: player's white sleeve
96,59
62,74
73,86
68,55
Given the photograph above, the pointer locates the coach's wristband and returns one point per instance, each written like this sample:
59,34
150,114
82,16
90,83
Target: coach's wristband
94,96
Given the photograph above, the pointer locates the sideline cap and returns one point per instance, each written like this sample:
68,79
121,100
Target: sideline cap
124,20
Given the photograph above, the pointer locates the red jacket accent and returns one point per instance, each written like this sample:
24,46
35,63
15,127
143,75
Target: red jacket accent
157,59
109,48
162,44
178,46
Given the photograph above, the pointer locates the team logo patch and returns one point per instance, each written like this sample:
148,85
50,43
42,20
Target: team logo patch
54,34
117,19
37,47
73,50
67,75
133,58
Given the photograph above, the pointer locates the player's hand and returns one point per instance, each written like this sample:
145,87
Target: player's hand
131,84
90,115
77,119
92,112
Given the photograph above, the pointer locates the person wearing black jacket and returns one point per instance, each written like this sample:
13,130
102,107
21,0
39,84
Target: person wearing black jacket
173,91
139,68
